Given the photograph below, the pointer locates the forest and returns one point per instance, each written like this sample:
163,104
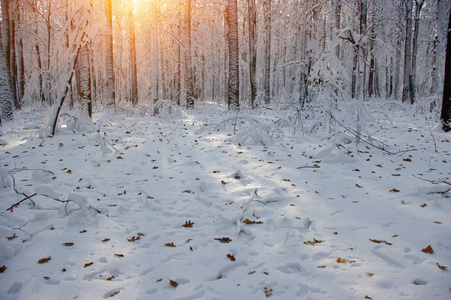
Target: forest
243,53
225,149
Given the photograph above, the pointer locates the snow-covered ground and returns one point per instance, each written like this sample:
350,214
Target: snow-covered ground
266,213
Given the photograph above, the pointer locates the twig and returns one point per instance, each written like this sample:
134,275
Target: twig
432,181
308,167
433,137
17,204
14,187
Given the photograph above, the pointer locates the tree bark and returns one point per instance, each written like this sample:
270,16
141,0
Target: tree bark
267,67
133,68
252,12
234,75
7,54
446,103
110,89
6,96
419,6
407,54
189,78
155,58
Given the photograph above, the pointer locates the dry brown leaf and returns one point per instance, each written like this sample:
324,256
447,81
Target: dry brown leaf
105,240
394,190
231,256
188,224
44,260
88,264
134,239
119,255
247,221
441,267
46,277
224,239
341,261
3,269
370,274
110,278
428,249
170,244
68,244
268,292
83,231
380,241
314,242
321,267
368,297
114,294
11,237
173,283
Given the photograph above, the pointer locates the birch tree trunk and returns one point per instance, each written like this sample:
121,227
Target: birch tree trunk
234,75
419,6
267,67
407,54
110,89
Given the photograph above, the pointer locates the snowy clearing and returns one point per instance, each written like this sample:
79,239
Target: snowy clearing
190,210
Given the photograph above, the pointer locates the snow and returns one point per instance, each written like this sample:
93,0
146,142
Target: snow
307,216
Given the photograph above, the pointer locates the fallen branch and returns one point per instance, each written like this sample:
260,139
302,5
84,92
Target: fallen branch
358,136
308,167
17,204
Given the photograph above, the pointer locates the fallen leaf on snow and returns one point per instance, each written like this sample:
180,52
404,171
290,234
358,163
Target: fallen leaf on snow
170,244
224,239
173,283
380,241
394,190
188,224
88,264
441,267
231,256
44,260
341,261
428,249
3,269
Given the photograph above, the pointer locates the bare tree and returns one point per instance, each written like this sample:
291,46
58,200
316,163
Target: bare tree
267,67
408,53
133,67
189,78
234,75
252,17
8,50
446,104
110,89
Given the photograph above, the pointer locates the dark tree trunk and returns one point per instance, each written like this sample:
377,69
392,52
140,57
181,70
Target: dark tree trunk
446,104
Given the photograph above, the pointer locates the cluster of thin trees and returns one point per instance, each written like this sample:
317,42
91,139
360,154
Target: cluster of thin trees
241,52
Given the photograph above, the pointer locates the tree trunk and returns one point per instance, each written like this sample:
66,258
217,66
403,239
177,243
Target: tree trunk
397,70
267,67
110,89
8,53
154,40
252,12
408,54
6,96
336,10
189,79
133,69
419,6
234,75
85,80
446,104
